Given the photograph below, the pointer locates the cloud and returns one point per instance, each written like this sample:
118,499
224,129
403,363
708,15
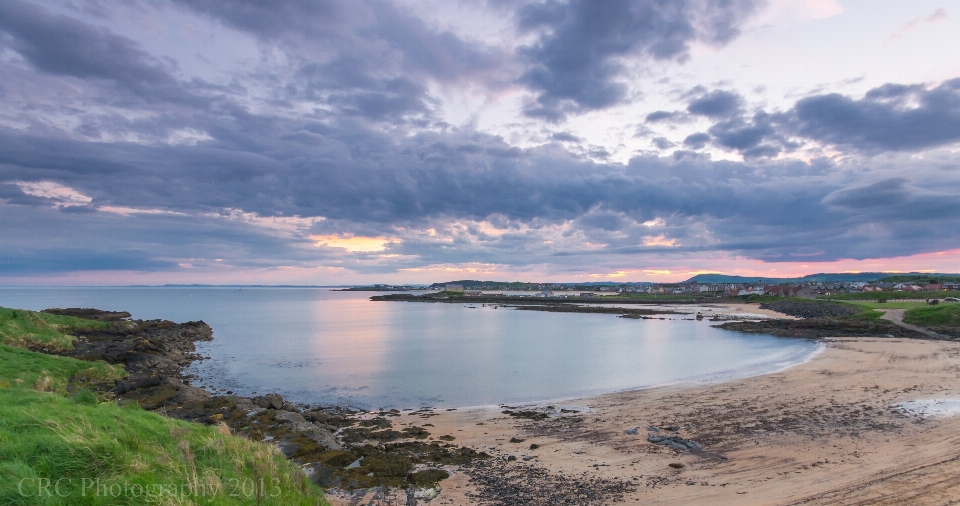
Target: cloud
657,116
660,240
368,58
938,15
696,141
716,104
887,118
332,134
889,192
663,143
353,243
575,63
65,46
565,136
62,196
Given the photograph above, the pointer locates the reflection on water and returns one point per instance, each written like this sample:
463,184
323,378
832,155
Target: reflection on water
318,345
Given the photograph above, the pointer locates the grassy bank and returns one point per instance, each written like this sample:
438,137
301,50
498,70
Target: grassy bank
943,315
860,310
23,328
870,296
58,447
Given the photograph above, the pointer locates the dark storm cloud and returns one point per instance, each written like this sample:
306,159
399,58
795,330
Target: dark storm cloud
565,136
574,65
656,116
431,178
360,30
336,139
364,58
889,192
716,104
696,141
888,118
663,143
755,137
62,260
64,46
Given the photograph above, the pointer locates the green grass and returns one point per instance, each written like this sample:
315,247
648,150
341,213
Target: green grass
944,314
21,328
20,368
892,305
865,309
102,453
655,296
891,295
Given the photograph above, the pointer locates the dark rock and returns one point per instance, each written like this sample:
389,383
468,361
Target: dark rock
674,442
516,440
511,458
528,414
89,313
810,309
187,394
136,381
813,328
676,465
290,417
269,401
288,448
428,477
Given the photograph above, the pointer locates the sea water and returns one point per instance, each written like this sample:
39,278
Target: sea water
336,347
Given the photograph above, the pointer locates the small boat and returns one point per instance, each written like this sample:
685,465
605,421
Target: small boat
633,316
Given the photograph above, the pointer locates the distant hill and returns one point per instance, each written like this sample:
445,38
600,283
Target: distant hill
471,284
823,277
922,278
867,277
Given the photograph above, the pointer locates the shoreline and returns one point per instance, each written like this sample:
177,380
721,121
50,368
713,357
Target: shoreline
745,440
682,383
824,431
219,381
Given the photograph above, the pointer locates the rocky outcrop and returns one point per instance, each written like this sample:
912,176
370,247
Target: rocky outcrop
323,440
814,328
269,401
154,353
810,309
89,314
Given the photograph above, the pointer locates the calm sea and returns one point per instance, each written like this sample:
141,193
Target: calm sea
322,346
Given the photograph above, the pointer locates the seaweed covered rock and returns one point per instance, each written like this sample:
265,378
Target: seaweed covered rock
814,328
810,309
674,442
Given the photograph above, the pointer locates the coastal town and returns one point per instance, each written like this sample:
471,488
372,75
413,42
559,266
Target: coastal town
810,289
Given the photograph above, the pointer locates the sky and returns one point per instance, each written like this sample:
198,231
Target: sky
326,142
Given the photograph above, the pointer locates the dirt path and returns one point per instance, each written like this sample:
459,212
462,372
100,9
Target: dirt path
896,316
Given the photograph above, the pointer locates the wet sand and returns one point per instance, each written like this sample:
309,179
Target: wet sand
827,431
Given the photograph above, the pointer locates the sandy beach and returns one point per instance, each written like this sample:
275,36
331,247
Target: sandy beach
827,431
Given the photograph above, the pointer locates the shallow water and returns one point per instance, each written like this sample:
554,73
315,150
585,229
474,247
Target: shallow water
932,408
321,346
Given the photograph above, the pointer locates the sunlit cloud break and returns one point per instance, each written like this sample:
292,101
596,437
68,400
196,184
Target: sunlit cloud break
352,243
